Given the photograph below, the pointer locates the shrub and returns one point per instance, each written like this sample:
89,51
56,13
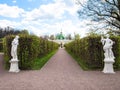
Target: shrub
1,46
28,49
46,46
90,51
116,50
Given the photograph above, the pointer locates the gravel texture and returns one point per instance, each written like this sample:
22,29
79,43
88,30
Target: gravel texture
61,72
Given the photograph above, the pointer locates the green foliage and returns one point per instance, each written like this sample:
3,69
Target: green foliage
47,46
1,45
116,50
40,62
6,48
28,50
90,52
77,36
8,31
52,37
24,32
30,47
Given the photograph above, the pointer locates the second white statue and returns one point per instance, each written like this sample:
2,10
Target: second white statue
14,61
109,56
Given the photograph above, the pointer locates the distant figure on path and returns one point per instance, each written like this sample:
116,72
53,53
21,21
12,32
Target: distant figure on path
61,45
14,47
107,47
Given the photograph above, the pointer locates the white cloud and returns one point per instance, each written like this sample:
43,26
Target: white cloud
10,11
49,11
47,19
73,27
67,26
4,23
14,1
71,5
56,10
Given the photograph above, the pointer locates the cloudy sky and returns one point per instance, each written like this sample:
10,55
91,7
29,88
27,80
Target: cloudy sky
42,16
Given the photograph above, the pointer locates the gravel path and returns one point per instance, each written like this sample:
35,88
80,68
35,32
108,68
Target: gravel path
60,73
1,62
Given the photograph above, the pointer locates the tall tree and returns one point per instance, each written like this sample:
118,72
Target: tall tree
69,37
8,31
76,36
106,11
46,37
25,32
52,37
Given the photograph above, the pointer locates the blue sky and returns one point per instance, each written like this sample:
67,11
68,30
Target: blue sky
43,16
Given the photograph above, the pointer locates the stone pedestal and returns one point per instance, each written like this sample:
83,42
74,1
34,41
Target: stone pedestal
14,65
108,66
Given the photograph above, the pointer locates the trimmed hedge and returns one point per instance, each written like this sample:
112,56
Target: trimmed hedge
1,46
47,46
116,50
90,51
30,47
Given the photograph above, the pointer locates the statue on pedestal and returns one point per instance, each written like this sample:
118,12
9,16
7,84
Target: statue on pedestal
109,56
107,47
14,60
14,47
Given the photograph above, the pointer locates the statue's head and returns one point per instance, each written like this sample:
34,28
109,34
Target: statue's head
17,37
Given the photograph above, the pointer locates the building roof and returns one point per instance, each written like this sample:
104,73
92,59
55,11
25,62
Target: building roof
60,36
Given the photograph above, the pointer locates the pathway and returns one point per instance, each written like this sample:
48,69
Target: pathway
1,63
61,72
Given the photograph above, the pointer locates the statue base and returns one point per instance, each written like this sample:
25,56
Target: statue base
14,65
108,66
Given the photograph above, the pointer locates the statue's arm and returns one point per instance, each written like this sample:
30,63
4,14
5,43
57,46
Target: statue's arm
112,42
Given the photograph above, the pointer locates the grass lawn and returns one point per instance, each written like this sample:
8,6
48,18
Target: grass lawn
40,62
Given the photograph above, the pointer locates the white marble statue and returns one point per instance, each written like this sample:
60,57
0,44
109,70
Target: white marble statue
109,56
14,47
14,61
107,47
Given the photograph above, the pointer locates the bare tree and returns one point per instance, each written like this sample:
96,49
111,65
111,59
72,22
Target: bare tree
8,31
106,11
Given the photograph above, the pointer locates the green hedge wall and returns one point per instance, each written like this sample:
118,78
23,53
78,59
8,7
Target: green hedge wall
1,46
30,47
90,51
46,46
116,50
